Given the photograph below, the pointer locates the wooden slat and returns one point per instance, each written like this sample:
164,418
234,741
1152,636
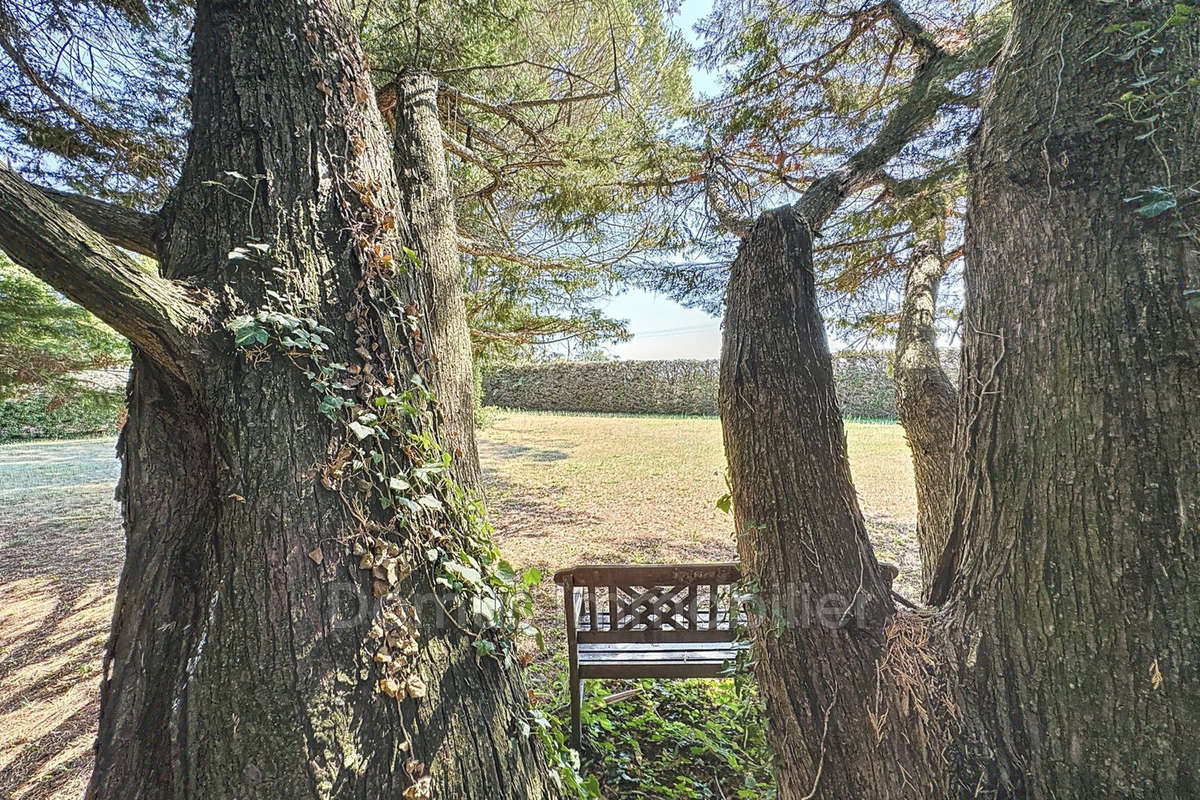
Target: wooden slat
712,605
592,604
665,647
603,622
657,635
651,574
624,660
691,607
665,669
612,608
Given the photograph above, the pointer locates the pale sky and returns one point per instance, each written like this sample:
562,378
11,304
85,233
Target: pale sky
661,327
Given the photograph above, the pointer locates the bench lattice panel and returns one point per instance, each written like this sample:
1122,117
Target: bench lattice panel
667,620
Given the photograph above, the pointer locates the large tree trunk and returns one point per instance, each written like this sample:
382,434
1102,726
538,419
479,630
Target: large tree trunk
1063,662
250,654
925,397
1075,566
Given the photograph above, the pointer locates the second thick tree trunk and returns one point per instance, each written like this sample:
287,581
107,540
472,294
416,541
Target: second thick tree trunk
823,618
251,651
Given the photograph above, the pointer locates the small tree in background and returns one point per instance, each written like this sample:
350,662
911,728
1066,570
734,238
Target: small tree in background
61,369
48,340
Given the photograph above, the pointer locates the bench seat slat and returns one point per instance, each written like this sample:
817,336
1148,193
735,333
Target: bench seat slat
660,647
667,660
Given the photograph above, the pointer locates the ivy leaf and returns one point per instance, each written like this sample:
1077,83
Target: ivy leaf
1151,210
430,502
330,405
408,503
397,484
360,430
505,572
486,607
468,575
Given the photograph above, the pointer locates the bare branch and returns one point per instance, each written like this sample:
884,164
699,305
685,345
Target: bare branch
510,64
730,220
910,29
462,151
22,63
503,111
926,96
558,101
475,247
124,227
159,316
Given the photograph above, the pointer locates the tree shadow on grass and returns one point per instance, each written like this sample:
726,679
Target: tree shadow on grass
508,451
61,550
52,634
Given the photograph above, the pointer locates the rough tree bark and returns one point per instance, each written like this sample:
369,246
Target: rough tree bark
427,199
926,400
822,628
1063,661
244,658
1074,567
837,727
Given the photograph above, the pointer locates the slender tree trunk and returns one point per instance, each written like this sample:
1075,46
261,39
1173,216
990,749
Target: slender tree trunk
824,616
427,199
925,398
252,653
1074,571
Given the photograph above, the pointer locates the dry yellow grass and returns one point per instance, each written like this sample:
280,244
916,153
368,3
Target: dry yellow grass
563,489
569,488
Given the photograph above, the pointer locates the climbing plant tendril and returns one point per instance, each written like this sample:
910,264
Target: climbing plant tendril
1144,103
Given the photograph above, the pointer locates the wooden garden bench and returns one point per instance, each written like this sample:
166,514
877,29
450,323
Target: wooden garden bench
648,621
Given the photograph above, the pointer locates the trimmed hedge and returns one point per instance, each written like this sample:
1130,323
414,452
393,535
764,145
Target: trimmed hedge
41,416
863,382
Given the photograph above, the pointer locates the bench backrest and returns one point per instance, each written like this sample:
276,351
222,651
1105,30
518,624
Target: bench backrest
651,603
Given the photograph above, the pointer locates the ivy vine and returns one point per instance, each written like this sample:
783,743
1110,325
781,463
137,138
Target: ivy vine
1144,44
395,479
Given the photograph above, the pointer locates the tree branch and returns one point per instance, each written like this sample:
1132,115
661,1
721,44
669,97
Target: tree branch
910,29
462,151
475,247
926,96
728,219
158,316
502,111
124,227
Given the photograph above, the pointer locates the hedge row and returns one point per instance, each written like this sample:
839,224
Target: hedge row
863,382
41,416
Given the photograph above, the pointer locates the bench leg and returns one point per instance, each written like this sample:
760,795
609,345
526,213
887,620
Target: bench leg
576,708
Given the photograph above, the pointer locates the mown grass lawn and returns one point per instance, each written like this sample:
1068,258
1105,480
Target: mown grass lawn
563,489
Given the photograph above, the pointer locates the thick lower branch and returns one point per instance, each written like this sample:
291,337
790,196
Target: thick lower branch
125,227
157,315
928,93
